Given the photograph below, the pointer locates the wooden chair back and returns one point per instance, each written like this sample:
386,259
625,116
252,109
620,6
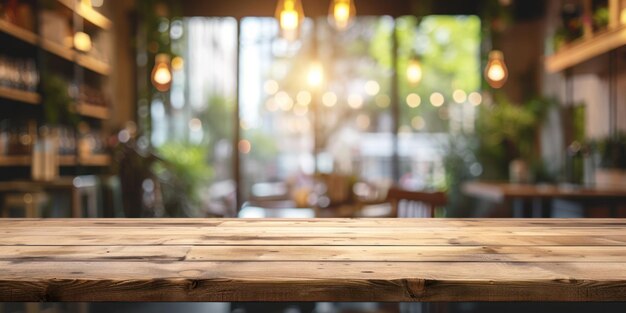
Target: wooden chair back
406,203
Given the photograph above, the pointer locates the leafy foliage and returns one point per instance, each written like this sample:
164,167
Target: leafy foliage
611,151
448,50
183,171
509,131
57,102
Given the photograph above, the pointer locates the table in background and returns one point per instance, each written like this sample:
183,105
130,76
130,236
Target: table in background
313,260
539,194
258,212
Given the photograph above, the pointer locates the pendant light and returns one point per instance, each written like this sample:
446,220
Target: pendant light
161,73
290,16
315,76
82,42
341,14
414,71
496,72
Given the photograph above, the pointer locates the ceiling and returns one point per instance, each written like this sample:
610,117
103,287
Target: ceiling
522,9
242,8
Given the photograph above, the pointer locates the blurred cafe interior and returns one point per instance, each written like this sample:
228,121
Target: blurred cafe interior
312,109
298,108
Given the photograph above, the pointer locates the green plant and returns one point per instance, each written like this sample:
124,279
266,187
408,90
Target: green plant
508,131
183,171
601,17
461,165
57,102
610,151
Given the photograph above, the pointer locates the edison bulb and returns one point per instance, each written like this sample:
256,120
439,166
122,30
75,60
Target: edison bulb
414,72
315,77
289,19
290,16
161,73
496,71
341,14
82,42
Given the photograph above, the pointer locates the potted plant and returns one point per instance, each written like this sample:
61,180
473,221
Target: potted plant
508,135
610,156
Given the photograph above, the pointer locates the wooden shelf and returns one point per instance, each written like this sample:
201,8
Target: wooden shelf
15,160
64,160
67,160
88,13
90,110
91,160
58,49
20,95
584,50
18,32
95,160
71,55
93,64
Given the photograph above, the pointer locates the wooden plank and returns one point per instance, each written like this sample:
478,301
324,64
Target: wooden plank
520,254
58,50
338,232
95,160
67,160
345,260
93,16
316,223
20,95
312,240
585,49
91,110
319,281
18,32
88,13
93,64
15,160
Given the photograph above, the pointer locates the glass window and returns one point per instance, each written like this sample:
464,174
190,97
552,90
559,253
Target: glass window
276,145
319,109
192,124
442,103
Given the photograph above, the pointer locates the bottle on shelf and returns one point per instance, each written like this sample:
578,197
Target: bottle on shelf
18,73
45,161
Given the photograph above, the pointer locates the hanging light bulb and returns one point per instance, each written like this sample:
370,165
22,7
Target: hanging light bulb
290,15
414,71
161,73
315,77
82,42
341,14
496,72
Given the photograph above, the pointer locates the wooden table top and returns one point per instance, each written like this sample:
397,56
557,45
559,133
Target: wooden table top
498,191
313,260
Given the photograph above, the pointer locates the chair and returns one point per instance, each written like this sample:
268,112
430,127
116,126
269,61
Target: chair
403,203
406,203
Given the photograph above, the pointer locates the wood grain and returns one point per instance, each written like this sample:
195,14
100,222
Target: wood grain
312,260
